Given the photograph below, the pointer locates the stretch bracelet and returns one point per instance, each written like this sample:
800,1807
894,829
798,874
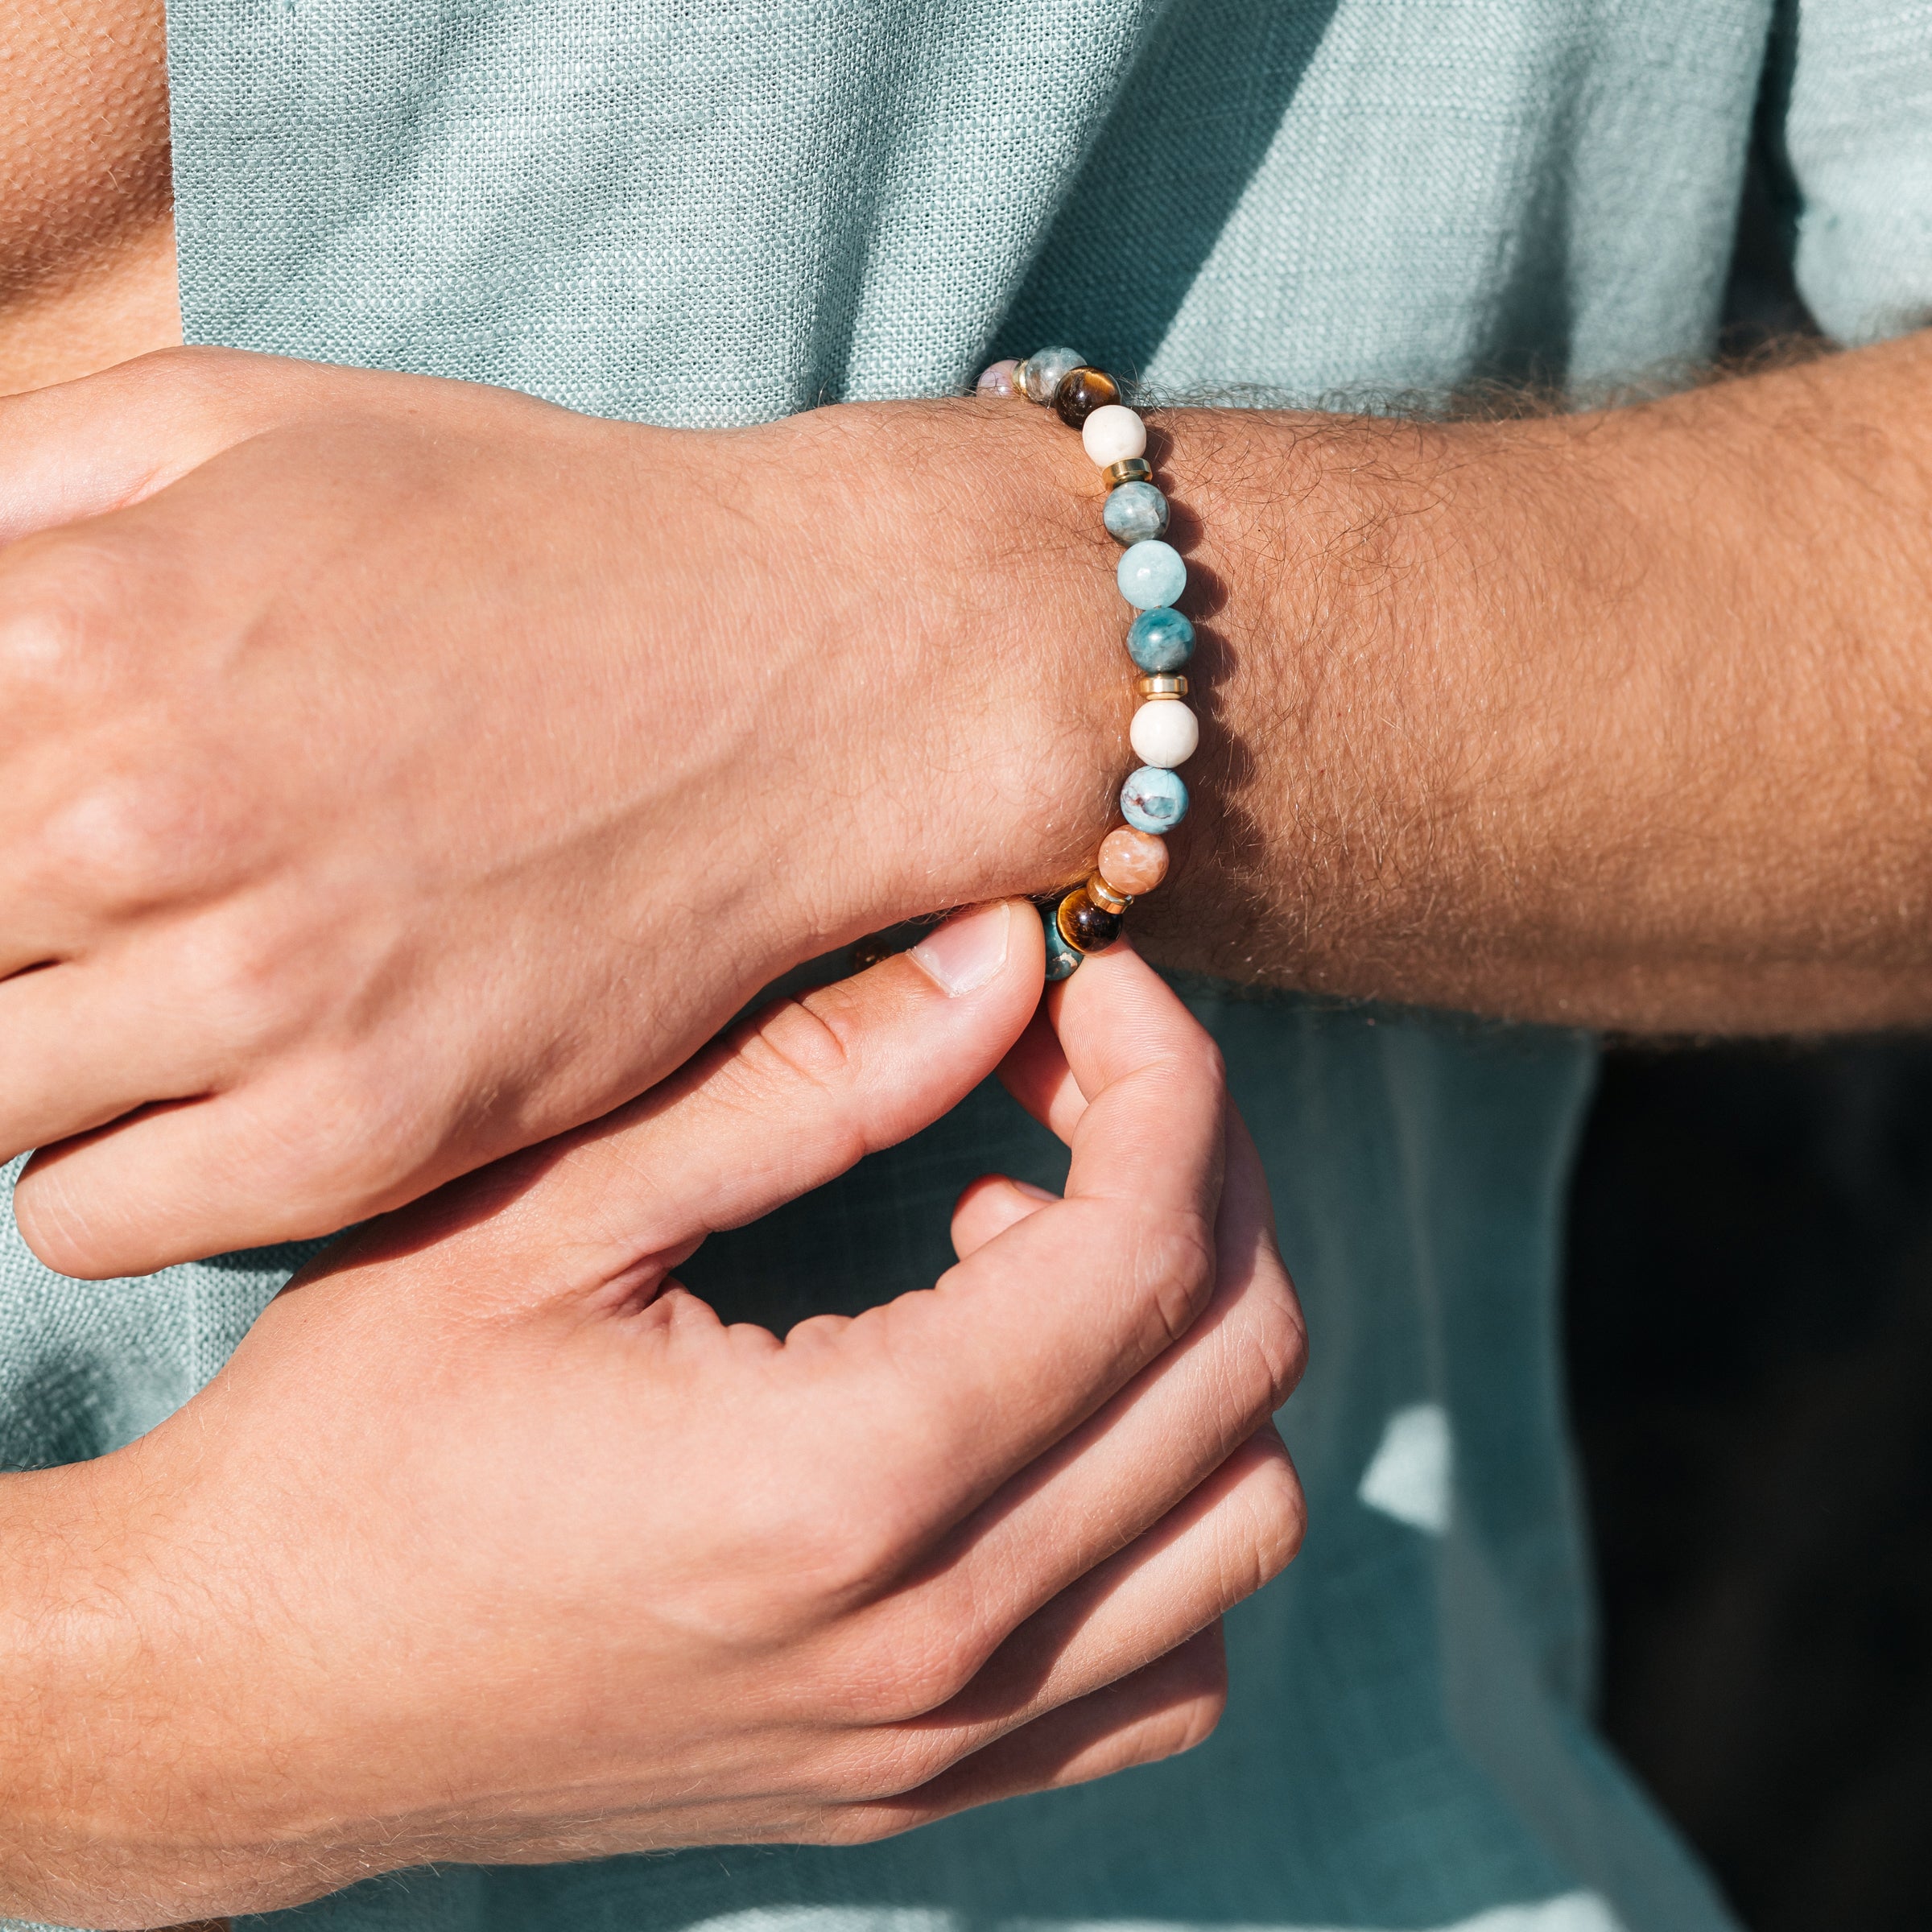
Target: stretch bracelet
1133,858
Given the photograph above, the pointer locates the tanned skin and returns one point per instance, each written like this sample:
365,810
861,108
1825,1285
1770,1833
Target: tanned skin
87,245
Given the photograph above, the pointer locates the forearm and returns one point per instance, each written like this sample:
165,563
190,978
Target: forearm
82,1686
539,743
1621,719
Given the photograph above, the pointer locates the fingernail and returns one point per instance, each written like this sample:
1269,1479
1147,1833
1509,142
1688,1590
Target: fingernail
965,953
1027,1188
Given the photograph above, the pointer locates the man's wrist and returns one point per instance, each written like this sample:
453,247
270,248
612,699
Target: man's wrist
977,709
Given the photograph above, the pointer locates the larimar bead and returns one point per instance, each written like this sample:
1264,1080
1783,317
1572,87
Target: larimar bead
1047,369
1135,512
1083,924
1061,958
1153,799
1160,640
1164,731
1151,574
1133,862
1081,392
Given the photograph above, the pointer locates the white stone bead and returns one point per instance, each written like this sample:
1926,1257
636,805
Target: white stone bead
1114,433
1164,733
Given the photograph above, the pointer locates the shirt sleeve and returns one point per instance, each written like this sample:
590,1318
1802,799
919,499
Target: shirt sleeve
1856,133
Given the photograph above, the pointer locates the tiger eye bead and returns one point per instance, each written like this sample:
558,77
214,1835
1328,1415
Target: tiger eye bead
1086,926
1081,392
1133,862
1129,469
1103,895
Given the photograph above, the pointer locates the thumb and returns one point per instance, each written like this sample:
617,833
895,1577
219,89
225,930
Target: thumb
786,1101
102,442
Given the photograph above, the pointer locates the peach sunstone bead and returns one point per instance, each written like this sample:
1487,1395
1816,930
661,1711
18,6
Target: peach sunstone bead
1133,862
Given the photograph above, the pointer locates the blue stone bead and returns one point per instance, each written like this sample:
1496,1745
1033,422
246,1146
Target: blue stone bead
1061,958
1151,574
1135,512
1160,641
1154,800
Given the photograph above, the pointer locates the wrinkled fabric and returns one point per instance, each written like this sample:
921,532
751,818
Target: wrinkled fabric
713,212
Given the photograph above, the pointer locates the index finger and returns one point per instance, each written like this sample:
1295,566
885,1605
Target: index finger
968,1382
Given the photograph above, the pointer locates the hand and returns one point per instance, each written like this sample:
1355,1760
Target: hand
491,1543
394,772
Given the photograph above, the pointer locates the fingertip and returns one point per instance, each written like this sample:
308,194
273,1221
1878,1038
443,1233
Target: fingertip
971,949
1117,1014
988,1207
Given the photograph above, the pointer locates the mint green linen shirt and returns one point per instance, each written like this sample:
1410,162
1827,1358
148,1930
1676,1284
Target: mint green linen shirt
717,210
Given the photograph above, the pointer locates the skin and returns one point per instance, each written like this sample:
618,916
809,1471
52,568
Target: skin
491,1543
87,273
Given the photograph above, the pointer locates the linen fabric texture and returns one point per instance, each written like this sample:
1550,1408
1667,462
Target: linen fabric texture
713,212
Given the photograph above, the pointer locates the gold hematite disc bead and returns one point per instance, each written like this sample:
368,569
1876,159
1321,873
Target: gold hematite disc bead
1129,469
1161,686
1103,895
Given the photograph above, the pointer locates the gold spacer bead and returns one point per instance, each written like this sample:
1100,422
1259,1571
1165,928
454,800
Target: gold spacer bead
1161,687
1129,469
1104,896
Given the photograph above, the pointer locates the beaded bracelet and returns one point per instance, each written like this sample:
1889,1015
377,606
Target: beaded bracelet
1133,857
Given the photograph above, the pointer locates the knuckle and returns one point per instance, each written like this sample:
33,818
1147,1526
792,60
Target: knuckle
1278,1349
1173,1269
841,1553
1195,1061
880,1767
56,618
1195,1721
134,839
799,1566
787,1049
1211,1067
242,974
1273,1521
915,1680
800,1043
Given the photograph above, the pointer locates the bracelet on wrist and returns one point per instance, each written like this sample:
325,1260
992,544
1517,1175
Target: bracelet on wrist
1133,857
